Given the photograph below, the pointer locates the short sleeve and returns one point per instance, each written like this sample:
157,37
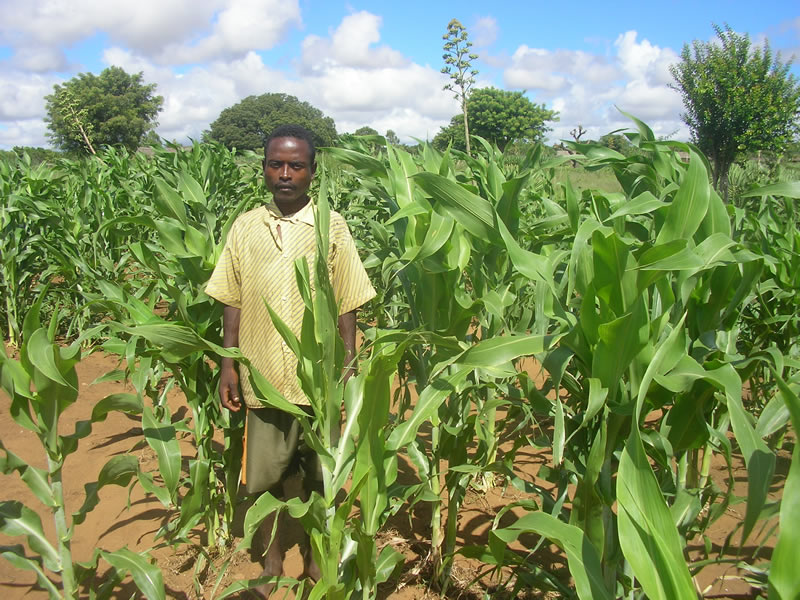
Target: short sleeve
349,278
225,284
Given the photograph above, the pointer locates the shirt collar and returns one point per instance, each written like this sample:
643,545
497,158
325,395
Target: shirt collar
304,215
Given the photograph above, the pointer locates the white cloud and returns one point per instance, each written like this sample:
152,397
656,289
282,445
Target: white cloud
244,25
585,88
552,71
22,95
359,83
643,61
348,74
167,31
350,45
23,132
484,32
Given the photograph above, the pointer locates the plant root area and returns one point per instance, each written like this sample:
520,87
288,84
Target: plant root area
127,517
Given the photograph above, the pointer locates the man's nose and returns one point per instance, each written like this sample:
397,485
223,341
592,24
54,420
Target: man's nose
283,172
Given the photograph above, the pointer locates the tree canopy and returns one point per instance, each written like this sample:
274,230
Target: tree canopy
738,99
366,130
499,116
110,109
247,125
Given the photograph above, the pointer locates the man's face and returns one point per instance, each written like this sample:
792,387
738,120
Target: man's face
288,172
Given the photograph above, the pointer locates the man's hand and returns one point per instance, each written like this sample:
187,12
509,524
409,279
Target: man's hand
229,387
347,330
228,377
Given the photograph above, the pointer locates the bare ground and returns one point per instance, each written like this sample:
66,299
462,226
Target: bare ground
128,518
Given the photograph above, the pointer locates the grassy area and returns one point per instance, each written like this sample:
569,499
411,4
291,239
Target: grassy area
582,179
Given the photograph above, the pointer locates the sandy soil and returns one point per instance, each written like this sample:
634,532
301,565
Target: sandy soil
131,519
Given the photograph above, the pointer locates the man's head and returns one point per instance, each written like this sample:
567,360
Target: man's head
293,131
289,165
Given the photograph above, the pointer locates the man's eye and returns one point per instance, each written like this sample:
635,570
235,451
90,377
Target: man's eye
297,166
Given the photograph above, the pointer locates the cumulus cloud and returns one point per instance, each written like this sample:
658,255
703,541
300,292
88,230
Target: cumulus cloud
348,75
484,32
22,95
244,25
350,45
585,88
24,132
204,56
169,32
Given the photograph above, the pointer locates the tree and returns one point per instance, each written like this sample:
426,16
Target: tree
617,142
458,61
366,130
247,125
578,133
738,99
391,138
110,109
501,117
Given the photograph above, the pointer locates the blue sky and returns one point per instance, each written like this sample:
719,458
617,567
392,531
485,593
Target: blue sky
369,63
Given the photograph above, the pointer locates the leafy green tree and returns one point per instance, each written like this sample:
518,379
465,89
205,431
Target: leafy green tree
246,125
501,117
392,138
738,98
110,109
617,142
366,130
458,66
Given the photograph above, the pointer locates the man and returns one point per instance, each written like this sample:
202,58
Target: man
257,265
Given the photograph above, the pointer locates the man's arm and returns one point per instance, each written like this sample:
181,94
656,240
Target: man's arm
228,377
347,329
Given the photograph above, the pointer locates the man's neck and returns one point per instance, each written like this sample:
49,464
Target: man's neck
290,209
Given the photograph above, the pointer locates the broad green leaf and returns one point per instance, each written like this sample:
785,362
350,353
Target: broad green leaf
119,470
191,190
642,204
474,213
785,189
499,350
439,232
689,206
584,563
620,342
146,576
123,402
645,132
647,534
36,479
533,266
161,437
672,256
42,354
16,556
427,404
597,400
363,162
18,519
169,202
784,576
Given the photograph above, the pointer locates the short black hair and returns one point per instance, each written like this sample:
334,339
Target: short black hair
292,131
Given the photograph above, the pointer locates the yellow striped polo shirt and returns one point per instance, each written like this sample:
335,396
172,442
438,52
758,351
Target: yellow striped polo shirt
257,264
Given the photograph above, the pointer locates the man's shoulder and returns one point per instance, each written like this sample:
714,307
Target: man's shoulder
252,216
338,224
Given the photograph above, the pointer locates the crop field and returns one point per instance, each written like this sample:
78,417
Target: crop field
565,390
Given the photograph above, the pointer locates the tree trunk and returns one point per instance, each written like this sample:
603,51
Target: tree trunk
719,176
466,127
